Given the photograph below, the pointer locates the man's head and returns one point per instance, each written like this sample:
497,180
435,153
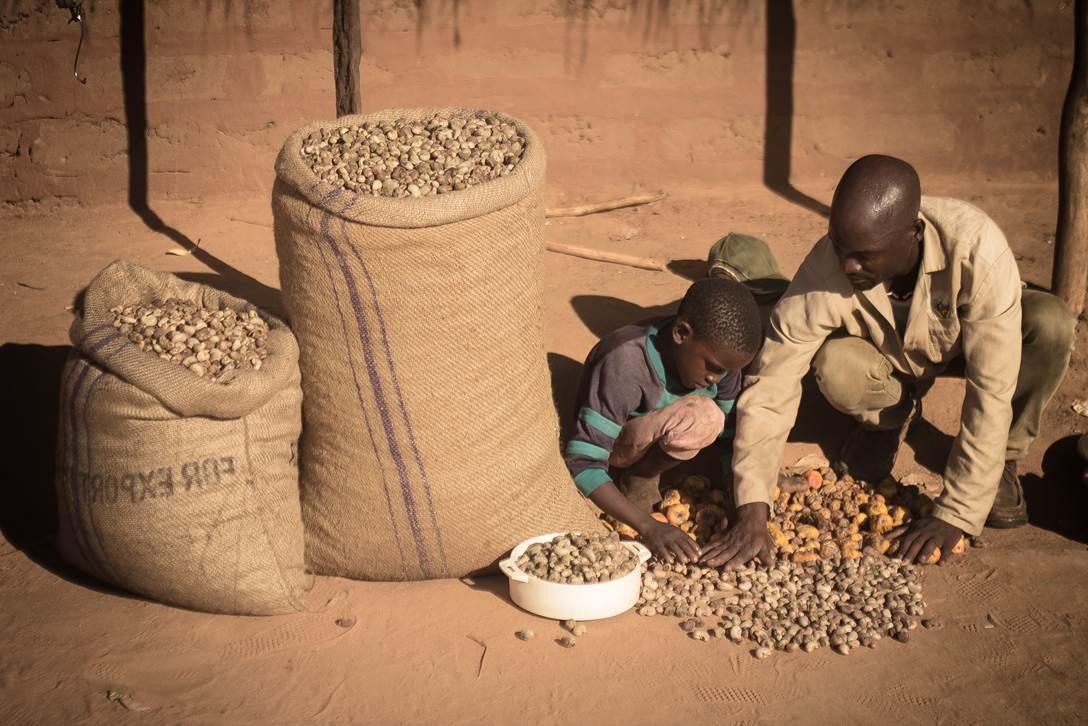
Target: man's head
717,330
874,223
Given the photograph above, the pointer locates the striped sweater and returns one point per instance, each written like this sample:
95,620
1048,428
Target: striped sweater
625,377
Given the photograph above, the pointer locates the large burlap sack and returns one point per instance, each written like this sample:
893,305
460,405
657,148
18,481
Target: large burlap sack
172,486
430,441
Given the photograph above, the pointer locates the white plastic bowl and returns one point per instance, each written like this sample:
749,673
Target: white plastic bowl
562,601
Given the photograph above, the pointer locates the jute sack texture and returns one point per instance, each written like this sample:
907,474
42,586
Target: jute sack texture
171,486
430,440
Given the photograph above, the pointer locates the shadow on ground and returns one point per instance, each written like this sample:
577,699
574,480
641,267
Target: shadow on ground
30,401
134,89
602,313
778,120
566,374
28,513
240,285
688,269
931,445
491,583
1058,499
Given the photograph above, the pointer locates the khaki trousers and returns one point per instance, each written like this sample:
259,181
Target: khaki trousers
857,379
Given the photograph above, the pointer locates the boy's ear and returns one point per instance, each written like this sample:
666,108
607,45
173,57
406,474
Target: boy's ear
681,331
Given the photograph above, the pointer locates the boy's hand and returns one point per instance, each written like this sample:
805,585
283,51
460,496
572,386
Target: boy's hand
746,539
668,542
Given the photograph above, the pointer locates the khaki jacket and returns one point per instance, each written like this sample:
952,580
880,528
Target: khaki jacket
966,302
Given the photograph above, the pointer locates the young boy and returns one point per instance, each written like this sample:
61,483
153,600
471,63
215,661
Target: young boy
655,394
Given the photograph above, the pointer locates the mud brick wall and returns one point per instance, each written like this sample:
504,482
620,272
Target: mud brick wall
968,87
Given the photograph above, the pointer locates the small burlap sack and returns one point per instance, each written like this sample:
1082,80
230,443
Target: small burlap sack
430,443
172,486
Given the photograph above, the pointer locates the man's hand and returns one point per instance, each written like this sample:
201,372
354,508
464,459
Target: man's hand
745,540
668,542
916,541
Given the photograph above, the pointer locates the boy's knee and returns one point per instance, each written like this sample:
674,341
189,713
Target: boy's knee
1047,323
845,369
707,411
694,424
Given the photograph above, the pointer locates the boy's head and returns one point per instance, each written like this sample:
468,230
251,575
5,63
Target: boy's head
717,330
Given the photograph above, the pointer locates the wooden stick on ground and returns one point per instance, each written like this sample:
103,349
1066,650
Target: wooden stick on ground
643,263
583,209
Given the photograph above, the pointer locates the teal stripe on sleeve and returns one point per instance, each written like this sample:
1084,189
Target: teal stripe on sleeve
600,422
584,448
589,479
727,406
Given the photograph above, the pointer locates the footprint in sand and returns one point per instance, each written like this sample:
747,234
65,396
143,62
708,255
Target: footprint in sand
1050,621
726,694
1024,622
912,699
1033,668
999,657
184,668
979,625
1020,623
813,663
697,670
301,631
161,673
897,702
730,686
987,590
738,665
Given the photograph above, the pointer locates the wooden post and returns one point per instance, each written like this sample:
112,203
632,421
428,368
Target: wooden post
1071,241
347,51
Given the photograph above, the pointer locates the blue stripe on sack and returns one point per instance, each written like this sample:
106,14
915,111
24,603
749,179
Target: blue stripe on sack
358,387
380,398
72,390
400,400
589,479
103,561
73,440
586,449
599,421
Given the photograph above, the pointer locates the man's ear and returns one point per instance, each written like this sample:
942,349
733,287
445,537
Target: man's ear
919,230
681,331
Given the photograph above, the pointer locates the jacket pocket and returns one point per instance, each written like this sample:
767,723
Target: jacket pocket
944,338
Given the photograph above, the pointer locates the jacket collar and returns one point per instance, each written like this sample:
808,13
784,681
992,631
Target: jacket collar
933,256
933,260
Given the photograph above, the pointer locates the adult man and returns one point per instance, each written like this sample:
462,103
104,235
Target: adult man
902,287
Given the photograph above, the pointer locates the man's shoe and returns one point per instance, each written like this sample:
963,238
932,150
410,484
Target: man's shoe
869,454
1010,508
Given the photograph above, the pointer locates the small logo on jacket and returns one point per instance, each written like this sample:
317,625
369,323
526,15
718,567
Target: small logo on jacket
943,308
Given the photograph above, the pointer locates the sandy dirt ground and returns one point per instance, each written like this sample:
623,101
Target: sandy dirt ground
1015,612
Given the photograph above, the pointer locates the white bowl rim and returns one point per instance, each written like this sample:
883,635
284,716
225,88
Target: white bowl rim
637,548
